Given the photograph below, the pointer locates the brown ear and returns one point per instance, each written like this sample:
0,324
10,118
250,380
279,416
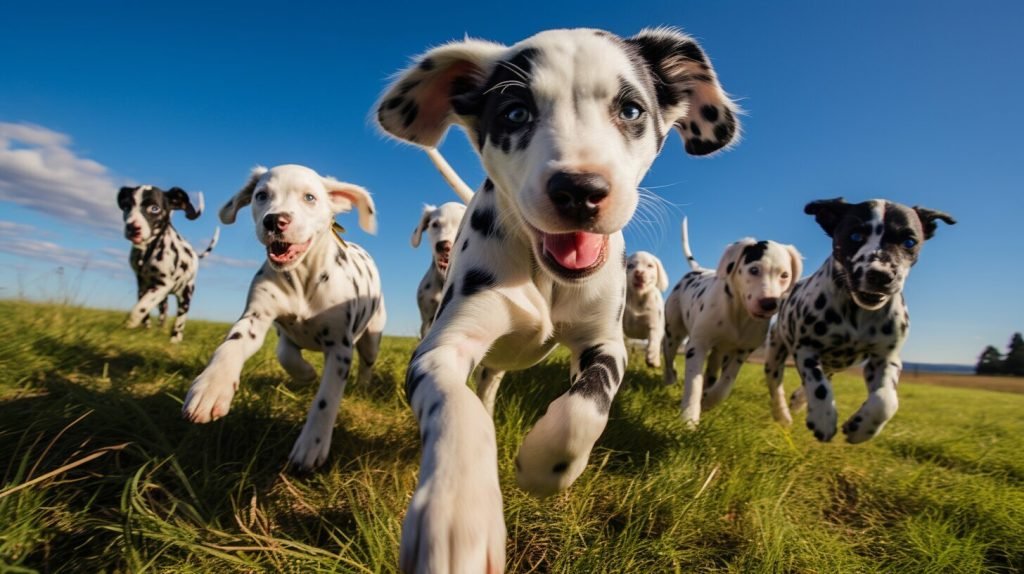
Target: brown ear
688,91
929,217
243,197
425,99
827,212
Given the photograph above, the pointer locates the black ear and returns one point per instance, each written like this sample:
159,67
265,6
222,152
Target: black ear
124,197
827,212
687,89
177,198
929,217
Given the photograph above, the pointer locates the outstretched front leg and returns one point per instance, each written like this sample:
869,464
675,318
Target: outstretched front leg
881,374
817,390
314,442
455,521
148,299
555,451
210,395
774,368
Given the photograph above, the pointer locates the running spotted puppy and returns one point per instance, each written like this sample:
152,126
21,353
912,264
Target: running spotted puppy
645,307
164,263
567,123
851,309
321,294
725,313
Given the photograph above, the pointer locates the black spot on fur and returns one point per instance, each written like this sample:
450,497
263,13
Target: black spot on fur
560,467
234,336
484,222
821,392
476,280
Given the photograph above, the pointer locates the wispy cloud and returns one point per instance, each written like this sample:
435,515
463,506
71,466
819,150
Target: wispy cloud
215,259
38,170
16,239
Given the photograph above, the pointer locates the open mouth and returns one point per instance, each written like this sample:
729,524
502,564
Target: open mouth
441,261
136,237
282,252
870,300
574,255
638,283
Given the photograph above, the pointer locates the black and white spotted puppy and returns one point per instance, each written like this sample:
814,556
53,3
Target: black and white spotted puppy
849,310
164,263
645,307
567,123
440,224
725,315
320,293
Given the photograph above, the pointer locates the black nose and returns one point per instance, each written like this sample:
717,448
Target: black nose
276,221
443,247
577,196
876,278
768,304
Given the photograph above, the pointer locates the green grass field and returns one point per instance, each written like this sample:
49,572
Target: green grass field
99,473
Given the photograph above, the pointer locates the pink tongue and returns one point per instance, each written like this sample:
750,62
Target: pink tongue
574,250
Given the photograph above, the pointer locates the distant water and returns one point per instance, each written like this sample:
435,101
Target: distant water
910,368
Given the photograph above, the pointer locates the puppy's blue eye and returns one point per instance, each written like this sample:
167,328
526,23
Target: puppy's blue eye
909,243
309,197
856,237
631,112
154,209
517,115
260,196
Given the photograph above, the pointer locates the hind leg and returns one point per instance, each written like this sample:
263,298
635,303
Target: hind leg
162,319
368,344
675,334
290,357
184,300
774,368
487,383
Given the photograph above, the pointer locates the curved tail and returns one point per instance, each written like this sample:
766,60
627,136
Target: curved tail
462,190
686,249
213,242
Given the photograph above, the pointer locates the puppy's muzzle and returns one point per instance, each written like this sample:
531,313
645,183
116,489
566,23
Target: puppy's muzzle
577,197
879,280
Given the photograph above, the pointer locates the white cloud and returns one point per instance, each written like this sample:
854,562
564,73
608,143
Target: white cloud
15,239
215,259
38,170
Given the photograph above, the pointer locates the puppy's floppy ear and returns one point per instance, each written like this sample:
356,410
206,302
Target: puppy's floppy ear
796,266
124,197
442,86
178,198
929,217
827,212
687,89
731,258
345,195
417,234
242,198
662,276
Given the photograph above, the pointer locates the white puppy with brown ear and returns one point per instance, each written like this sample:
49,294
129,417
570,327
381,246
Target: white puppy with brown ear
725,314
320,292
645,307
441,224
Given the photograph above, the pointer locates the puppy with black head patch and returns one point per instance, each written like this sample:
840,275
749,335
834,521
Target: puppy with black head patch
164,263
723,315
566,122
645,307
849,310
319,292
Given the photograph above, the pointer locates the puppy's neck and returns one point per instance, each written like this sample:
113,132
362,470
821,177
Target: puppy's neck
738,313
635,298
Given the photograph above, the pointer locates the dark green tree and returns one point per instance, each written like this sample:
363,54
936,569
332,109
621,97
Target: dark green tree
990,362
1014,362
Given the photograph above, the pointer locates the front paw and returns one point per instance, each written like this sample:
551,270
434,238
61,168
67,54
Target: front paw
312,447
781,414
455,521
209,398
556,450
654,362
822,421
868,421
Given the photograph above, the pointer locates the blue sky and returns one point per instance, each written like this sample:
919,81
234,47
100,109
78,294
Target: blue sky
912,101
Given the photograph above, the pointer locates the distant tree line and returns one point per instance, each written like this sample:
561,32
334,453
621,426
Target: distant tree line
992,362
